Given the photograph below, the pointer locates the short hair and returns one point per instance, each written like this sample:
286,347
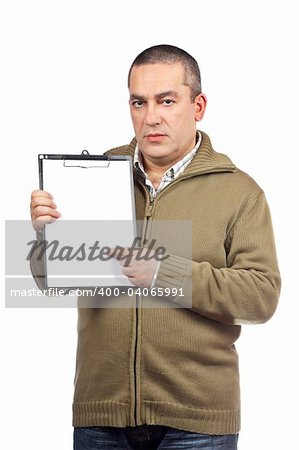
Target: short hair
169,54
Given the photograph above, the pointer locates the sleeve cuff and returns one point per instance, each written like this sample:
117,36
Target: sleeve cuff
173,272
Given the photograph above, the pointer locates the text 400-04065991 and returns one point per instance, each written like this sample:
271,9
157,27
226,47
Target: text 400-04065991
145,292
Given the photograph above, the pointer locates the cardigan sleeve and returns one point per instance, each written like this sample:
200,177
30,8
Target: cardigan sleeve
247,289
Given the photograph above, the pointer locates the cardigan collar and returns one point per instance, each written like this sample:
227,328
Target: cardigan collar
206,160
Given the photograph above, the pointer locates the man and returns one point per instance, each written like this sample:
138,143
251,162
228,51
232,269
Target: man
168,377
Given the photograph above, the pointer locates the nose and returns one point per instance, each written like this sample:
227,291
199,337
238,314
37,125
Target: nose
152,117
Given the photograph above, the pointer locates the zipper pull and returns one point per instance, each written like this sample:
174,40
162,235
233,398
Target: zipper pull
149,208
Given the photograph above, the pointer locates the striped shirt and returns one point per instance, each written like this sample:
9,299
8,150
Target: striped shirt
171,174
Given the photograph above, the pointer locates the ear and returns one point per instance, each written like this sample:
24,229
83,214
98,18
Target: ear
200,106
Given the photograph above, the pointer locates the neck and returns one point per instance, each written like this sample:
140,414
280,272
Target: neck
161,165
158,168
155,173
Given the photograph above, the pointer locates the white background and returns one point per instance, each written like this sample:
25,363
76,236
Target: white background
64,69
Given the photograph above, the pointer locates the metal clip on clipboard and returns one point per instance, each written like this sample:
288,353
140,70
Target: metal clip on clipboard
90,161
99,162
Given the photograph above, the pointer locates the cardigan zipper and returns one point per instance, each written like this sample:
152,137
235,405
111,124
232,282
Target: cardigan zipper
148,213
135,362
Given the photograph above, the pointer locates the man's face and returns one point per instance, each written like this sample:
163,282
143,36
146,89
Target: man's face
164,118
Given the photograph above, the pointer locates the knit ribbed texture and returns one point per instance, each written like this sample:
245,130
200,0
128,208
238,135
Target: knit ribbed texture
194,420
115,414
108,413
172,272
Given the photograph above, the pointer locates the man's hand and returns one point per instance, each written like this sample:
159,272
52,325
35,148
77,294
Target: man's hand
139,271
43,209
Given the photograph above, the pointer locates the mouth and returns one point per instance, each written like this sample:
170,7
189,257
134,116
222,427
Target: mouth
155,137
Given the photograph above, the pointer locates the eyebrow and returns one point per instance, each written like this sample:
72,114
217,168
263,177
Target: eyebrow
157,96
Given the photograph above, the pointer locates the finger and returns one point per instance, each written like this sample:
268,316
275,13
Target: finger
129,271
45,219
45,210
41,193
41,221
42,201
40,211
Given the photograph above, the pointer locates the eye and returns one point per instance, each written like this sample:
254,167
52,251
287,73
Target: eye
137,103
168,102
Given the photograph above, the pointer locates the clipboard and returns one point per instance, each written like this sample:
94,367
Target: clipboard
95,196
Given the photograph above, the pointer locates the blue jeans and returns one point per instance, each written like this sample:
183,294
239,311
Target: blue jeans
147,437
